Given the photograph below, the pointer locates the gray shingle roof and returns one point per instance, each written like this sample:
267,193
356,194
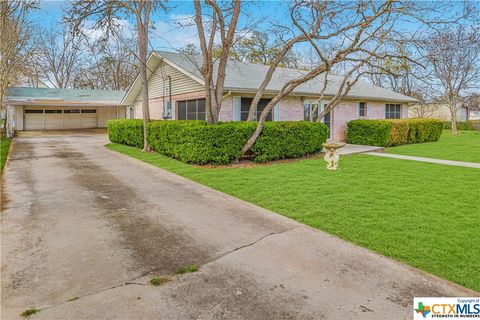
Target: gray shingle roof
241,76
52,94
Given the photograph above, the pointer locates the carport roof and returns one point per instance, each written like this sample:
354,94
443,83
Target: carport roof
47,96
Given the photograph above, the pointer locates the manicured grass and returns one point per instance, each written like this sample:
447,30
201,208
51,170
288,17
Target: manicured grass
425,215
4,148
462,147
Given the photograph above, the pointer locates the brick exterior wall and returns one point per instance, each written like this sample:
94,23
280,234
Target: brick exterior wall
291,109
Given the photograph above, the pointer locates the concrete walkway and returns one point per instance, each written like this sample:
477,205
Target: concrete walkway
358,148
84,229
429,160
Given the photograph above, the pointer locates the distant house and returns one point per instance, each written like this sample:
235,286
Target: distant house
47,108
441,111
176,91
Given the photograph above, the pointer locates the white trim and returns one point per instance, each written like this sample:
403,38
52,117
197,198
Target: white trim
237,108
276,113
135,81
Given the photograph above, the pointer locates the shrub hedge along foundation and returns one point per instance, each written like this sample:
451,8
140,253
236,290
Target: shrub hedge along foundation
198,143
464,125
386,133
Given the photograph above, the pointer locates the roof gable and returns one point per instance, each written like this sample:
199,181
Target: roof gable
153,62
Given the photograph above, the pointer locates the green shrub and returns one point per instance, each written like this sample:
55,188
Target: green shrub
198,143
398,133
369,132
126,131
385,133
291,139
465,125
424,130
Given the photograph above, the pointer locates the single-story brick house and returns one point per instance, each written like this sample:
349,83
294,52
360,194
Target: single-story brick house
177,92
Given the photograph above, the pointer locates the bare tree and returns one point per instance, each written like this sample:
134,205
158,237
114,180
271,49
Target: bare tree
423,109
108,15
224,21
257,47
15,44
109,65
58,56
353,34
454,64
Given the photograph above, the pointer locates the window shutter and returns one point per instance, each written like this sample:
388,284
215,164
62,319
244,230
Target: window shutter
174,109
276,113
237,107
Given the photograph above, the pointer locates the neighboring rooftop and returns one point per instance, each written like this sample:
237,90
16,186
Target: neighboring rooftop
241,76
18,95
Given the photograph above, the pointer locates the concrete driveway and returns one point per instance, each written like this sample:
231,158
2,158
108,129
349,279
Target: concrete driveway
83,223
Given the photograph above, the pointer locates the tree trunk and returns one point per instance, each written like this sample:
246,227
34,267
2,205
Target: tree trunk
142,32
454,121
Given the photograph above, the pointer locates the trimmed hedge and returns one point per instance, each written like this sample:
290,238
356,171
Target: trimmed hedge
424,130
290,139
126,131
386,133
198,143
369,132
465,125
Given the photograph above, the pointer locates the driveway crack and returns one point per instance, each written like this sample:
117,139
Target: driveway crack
133,281
126,283
249,244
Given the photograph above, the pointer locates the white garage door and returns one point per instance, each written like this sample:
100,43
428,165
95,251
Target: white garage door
40,118
34,119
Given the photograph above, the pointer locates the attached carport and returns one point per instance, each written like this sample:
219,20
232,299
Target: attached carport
54,109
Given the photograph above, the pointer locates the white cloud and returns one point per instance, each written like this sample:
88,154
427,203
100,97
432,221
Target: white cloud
174,32
124,27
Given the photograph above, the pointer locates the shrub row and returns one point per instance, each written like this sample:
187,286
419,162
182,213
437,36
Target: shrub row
465,125
198,143
386,133
126,131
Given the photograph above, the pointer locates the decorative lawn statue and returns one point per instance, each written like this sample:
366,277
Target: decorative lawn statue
331,155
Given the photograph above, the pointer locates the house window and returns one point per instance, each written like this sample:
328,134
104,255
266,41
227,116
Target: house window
167,110
362,109
191,110
308,108
392,111
245,108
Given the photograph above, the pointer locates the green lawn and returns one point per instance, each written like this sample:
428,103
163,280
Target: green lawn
423,214
462,147
4,148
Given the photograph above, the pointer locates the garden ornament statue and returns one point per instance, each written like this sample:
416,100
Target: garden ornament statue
331,155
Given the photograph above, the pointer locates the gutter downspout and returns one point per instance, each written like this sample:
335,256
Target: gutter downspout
227,94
